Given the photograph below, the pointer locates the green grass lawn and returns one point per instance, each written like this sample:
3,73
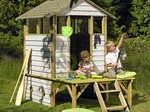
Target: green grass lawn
9,71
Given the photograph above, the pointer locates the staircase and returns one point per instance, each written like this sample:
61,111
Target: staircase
117,90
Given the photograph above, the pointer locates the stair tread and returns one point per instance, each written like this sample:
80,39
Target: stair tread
110,91
120,107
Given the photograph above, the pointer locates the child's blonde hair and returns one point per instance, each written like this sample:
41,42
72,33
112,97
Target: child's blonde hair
108,44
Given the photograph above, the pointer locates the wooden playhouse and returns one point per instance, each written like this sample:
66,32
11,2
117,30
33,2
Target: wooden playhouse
49,57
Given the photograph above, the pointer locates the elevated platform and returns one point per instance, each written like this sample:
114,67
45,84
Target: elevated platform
124,85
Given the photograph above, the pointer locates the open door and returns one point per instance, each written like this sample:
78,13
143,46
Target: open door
80,39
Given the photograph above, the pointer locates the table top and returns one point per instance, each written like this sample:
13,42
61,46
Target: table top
88,80
78,80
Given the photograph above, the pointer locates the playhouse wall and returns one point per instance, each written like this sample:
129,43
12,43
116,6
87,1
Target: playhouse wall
98,51
40,65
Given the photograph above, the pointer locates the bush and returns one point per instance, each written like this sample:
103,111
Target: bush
138,60
10,45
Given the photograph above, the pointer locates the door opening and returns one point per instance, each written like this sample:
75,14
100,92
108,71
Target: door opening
80,39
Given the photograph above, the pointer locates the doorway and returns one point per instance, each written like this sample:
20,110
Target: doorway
80,39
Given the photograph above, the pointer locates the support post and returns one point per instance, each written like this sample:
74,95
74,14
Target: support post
104,32
38,26
91,33
25,31
129,98
74,96
53,60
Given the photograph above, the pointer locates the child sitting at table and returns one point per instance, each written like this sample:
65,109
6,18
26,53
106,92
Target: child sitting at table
85,65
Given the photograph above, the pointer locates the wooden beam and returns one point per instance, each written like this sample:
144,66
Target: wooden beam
68,21
91,33
129,98
74,96
82,90
53,47
68,47
53,59
69,90
100,98
38,26
27,26
104,32
25,32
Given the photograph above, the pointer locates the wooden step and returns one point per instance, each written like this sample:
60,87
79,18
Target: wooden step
110,91
120,107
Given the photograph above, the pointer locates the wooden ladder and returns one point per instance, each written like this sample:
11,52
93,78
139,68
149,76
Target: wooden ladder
116,89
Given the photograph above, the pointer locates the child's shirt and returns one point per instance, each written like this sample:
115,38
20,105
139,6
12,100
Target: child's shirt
86,65
112,57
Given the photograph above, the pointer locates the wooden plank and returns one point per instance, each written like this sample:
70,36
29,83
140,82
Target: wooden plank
37,48
19,78
105,39
98,47
129,97
40,69
39,58
91,34
21,87
53,59
100,98
82,90
85,13
69,90
116,108
74,96
123,87
41,63
33,37
121,97
41,73
34,43
100,63
110,91
85,8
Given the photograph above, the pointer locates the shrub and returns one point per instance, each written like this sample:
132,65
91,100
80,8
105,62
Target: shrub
138,60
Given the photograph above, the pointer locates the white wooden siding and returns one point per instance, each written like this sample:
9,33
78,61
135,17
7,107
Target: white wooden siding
36,85
62,55
83,8
98,51
40,64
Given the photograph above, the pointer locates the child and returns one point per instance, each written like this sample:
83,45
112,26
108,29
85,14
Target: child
85,65
112,58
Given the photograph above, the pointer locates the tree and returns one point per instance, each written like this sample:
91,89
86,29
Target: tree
141,20
11,34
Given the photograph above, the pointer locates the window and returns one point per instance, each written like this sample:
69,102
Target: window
32,26
61,21
97,27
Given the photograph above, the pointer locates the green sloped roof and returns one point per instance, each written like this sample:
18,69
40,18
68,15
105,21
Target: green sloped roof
47,8
52,7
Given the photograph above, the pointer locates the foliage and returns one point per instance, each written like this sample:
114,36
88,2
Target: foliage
133,14
11,30
138,59
11,45
137,45
141,21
